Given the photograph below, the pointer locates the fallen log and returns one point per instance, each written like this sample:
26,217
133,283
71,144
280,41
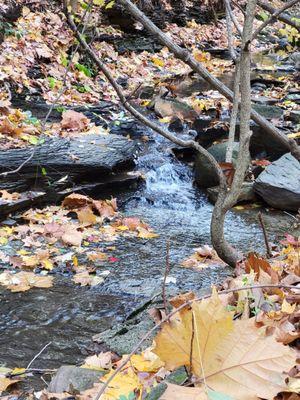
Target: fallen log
65,162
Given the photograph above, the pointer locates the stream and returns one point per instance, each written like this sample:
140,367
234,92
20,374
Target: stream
68,316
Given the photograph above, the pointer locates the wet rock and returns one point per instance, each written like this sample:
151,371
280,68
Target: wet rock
295,116
268,111
69,378
176,125
208,136
89,157
294,97
264,100
205,176
201,122
247,193
279,184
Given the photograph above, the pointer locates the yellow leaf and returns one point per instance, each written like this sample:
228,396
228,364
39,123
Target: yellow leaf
3,241
158,62
5,383
18,371
146,362
287,307
294,135
235,357
47,264
122,228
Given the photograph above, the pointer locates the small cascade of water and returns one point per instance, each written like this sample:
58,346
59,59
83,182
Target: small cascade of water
168,182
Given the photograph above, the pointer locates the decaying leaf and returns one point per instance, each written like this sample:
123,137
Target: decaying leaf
74,121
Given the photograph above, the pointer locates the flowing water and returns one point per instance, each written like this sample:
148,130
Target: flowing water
68,315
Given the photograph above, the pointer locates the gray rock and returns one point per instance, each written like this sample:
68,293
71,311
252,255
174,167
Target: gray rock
295,116
81,158
69,378
205,176
279,184
247,193
268,111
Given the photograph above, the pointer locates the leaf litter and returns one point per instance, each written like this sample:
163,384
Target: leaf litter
54,238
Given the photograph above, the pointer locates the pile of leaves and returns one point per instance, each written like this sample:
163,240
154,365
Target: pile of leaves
240,342
55,238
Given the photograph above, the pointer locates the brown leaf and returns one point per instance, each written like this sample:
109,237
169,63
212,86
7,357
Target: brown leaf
23,281
176,392
74,121
72,236
75,200
86,216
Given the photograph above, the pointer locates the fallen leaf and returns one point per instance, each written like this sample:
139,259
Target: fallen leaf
74,121
235,357
86,216
176,392
23,281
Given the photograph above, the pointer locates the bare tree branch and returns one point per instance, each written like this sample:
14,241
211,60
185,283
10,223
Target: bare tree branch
231,15
275,15
124,101
282,17
185,56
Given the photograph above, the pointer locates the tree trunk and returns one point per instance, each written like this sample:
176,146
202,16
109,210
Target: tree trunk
227,199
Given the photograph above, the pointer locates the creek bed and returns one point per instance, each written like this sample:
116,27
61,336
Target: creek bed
68,315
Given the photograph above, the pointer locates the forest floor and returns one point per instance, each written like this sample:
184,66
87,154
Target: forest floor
238,344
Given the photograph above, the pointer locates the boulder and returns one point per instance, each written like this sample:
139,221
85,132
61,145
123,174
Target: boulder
69,378
205,176
268,111
247,193
279,184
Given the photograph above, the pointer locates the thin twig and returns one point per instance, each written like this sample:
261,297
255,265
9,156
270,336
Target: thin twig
38,354
167,270
273,17
167,318
285,18
232,17
263,227
191,349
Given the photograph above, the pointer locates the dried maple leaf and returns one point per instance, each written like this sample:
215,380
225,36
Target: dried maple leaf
75,200
234,357
74,121
99,362
86,216
72,236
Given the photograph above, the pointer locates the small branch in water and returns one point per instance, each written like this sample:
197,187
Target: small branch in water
263,227
37,355
167,270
